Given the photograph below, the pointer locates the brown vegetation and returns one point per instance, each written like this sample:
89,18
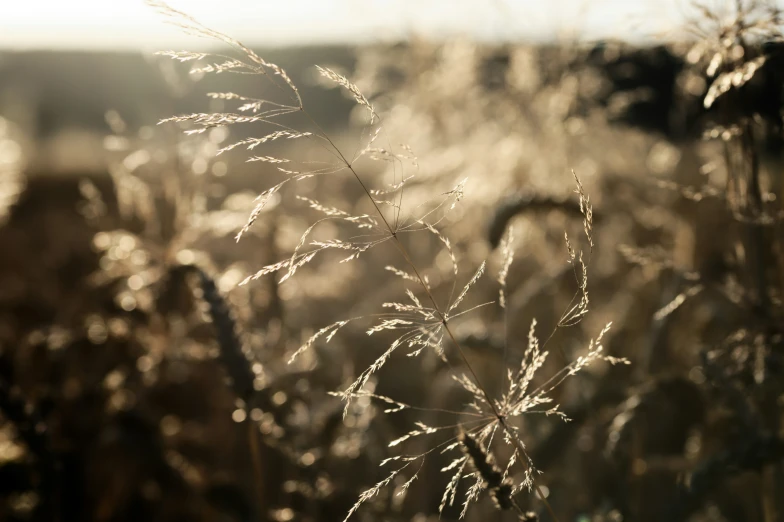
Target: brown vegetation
412,316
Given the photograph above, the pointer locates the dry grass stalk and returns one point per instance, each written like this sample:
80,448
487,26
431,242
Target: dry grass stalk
422,322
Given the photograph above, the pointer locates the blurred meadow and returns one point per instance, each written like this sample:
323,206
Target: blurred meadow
416,262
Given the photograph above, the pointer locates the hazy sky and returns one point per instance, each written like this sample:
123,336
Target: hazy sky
130,24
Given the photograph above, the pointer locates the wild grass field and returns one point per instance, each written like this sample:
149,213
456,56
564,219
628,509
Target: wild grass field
435,280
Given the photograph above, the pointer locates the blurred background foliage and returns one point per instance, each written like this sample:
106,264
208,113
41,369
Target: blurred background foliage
138,381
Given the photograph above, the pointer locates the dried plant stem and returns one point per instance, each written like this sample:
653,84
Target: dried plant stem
255,452
234,362
401,247
500,418
769,509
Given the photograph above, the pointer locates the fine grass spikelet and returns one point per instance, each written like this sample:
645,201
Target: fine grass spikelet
423,320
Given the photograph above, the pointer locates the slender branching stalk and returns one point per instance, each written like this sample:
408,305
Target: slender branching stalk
423,325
